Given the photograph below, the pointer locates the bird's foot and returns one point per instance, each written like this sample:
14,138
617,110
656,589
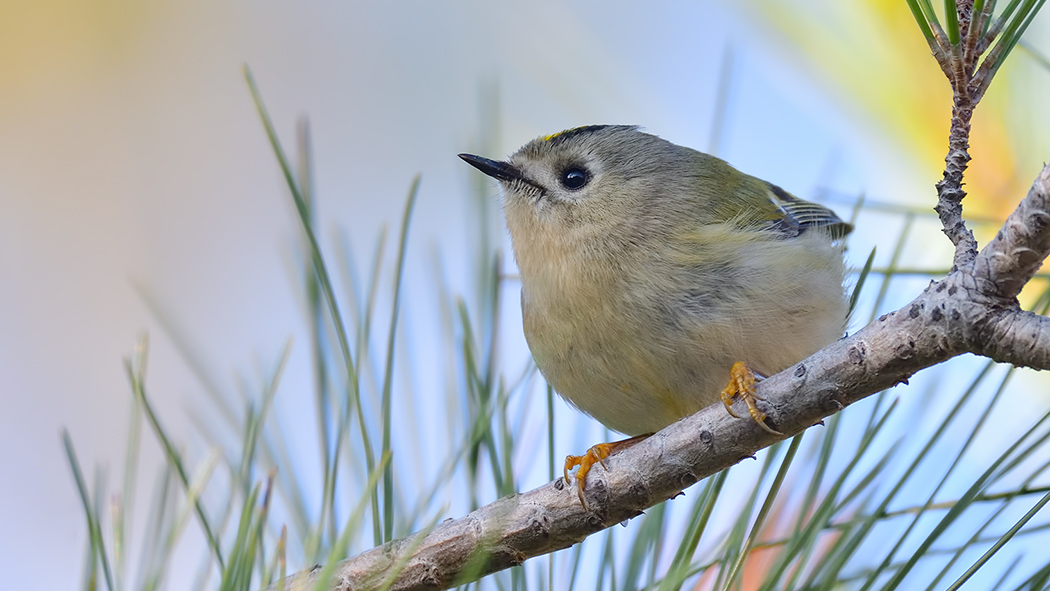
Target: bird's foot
595,455
742,384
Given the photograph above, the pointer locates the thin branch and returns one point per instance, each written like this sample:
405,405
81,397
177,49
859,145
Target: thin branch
949,190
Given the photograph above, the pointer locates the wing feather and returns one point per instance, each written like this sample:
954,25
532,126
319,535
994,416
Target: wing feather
801,215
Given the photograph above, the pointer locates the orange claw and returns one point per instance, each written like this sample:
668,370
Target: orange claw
595,455
742,384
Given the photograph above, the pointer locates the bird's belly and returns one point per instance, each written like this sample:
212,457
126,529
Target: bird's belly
636,375
625,379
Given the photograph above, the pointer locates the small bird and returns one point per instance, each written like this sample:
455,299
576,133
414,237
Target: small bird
651,272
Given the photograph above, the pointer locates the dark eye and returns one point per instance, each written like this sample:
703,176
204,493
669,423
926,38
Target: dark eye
574,178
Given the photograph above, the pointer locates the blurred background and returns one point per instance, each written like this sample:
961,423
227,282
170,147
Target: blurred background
139,194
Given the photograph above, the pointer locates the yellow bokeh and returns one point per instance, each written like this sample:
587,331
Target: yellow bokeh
873,54
39,40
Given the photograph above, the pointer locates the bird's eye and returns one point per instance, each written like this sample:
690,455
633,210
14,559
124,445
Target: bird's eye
574,178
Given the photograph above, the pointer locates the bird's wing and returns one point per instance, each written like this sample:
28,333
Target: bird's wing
799,215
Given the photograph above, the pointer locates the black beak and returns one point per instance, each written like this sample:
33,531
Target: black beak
503,171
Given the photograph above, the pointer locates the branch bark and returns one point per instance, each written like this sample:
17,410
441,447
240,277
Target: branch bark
973,309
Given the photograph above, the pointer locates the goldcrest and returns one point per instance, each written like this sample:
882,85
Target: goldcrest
649,269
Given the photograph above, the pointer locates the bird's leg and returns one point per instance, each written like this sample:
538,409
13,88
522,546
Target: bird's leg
595,455
742,384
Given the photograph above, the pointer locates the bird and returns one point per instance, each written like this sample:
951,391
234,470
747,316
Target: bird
650,272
